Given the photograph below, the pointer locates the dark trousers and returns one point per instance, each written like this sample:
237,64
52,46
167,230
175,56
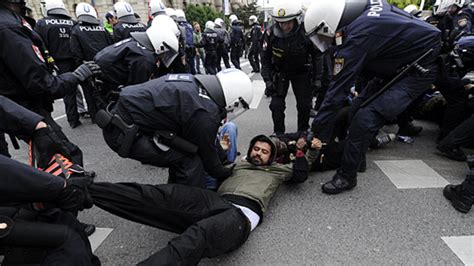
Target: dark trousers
468,184
456,111
235,53
190,60
208,225
303,92
224,55
70,100
92,98
461,136
366,121
254,59
75,248
210,62
186,169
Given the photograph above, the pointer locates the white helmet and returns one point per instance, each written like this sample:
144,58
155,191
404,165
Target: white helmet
156,8
181,17
124,12
219,22
232,18
43,8
412,10
55,7
285,10
210,25
230,89
164,42
324,18
163,21
85,12
253,19
171,12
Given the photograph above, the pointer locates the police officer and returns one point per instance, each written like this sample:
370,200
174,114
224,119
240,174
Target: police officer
127,22
363,46
237,41
28,81
460,13
55,30
155,8
223,44
88,37
172,122
287,55
189,47
135,60
60,240
254,49
209,42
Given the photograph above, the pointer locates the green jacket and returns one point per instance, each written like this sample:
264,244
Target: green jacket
259,183
108,27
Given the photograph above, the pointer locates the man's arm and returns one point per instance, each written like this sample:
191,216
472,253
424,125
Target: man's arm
267,66
16,119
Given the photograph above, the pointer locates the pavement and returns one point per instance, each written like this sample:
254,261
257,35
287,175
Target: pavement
396,215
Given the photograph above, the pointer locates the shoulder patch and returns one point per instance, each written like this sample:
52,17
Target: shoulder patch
462,22
38,53
179,77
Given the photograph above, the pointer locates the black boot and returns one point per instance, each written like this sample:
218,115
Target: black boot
89,229
409,130
338,184
460,200
451,152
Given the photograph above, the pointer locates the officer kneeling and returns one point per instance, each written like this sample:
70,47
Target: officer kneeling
173,121
373,39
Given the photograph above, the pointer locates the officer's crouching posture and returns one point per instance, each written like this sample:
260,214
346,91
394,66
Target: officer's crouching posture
43,232
364,46
287,56
209,223
173,121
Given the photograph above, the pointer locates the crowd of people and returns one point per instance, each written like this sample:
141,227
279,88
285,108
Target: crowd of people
365,64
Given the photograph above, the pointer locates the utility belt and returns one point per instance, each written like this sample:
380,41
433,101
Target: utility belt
163,139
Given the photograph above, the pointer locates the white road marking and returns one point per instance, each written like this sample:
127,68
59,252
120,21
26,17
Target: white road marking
408,174
59,117
99,236
258,91
462,246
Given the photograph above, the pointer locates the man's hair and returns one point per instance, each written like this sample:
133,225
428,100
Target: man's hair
265,139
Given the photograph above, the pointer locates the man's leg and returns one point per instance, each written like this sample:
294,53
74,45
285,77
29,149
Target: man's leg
235,57
70,103
251,57
225,57
461,136
278,106
303,94
218,59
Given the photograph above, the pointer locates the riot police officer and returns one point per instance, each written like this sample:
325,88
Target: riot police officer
28,81
127,22
209,43
364,46
287,56
155,8
254,49
460,14
223,44
237,41
88,37
55,30
172,122
135,60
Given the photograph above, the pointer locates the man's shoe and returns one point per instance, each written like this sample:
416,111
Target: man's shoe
75,124
409,130
338,184
89,229
460,200
382,140
454,153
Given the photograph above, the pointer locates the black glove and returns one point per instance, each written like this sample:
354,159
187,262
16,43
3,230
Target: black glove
86,70
75,196
47,143
227,172
269,88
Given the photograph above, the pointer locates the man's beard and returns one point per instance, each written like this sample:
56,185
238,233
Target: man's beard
256,160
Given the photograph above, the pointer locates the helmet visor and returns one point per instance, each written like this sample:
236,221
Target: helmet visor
321,42
168,55
234,110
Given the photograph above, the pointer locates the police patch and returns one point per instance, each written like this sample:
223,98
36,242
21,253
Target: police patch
462,22
38,53
281,12
338,65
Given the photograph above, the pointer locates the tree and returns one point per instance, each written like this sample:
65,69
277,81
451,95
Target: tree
403,3
244,12
201,14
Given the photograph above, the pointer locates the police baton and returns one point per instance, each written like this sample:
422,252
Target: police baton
400,75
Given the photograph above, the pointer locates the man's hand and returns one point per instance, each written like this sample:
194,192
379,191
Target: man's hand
227,172
75,195
225,142
47,143
269,89
316,144
87,70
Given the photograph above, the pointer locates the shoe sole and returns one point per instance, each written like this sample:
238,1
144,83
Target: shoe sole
444,154
458,205
338,192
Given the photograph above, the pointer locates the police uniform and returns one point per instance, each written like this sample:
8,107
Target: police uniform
28,81
287,58
365,47
209,42
55,30
462,20
125,63
173,103
222,52
254,50
123,29
237,42
86,41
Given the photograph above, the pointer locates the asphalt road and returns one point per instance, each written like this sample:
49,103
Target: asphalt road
376,223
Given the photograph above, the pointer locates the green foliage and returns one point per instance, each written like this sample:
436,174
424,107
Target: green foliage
403,3
244,12
201,14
